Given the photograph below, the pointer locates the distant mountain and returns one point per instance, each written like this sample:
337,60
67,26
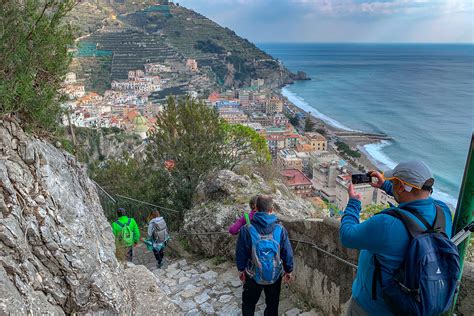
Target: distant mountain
134,34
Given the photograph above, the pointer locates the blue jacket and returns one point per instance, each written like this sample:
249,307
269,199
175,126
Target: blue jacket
385,236
264,223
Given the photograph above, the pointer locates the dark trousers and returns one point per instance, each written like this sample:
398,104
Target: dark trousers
159,255
252,292
130,254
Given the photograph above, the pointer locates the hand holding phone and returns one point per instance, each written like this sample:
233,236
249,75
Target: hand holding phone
358,178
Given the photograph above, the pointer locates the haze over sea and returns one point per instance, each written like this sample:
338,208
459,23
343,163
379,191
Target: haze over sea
422,95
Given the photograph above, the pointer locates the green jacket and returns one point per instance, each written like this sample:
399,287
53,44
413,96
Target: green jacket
116,229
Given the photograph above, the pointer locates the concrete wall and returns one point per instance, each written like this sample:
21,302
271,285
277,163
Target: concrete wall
326,282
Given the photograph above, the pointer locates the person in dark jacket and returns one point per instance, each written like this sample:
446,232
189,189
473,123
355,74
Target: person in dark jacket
410,183
264,222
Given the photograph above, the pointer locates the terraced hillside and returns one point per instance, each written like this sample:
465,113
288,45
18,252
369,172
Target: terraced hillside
168,32
234,60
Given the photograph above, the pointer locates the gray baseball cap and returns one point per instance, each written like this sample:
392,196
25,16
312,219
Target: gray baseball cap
414,173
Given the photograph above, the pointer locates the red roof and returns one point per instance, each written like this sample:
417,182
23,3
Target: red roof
213,97
131,115
294,177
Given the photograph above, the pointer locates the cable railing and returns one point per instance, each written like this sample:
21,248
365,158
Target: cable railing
137,209
140,210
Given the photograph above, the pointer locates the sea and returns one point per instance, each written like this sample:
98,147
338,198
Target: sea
422,95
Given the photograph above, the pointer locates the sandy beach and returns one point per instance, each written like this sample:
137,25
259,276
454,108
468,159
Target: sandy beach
356,140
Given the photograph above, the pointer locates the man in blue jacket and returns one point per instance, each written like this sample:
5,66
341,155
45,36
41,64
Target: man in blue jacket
410,183
265,223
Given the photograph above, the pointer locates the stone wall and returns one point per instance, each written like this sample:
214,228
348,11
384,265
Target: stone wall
326,282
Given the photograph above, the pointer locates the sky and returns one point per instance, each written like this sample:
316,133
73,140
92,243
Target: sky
381,21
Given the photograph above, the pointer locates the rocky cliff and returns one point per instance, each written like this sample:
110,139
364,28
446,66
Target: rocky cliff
223,197
57,251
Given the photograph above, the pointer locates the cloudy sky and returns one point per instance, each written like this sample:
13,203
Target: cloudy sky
343,20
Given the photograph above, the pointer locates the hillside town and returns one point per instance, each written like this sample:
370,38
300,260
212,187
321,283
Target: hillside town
309,165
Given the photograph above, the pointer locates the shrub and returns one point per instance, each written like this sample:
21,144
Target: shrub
34,58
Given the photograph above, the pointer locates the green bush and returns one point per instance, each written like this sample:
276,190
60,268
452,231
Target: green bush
34,58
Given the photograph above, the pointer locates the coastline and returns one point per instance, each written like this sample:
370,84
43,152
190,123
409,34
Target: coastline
368,145
359,142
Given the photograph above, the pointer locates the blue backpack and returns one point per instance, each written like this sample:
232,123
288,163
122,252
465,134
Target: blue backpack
427,280
266,262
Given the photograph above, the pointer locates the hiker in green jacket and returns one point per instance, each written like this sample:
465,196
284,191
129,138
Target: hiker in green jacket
126,232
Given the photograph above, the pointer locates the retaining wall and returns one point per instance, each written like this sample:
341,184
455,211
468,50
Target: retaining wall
326,282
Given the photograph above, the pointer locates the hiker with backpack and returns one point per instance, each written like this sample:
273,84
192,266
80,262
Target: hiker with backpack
407,264
264,257
157,236
126,232
235,228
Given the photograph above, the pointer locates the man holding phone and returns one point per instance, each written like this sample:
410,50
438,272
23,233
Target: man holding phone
383,239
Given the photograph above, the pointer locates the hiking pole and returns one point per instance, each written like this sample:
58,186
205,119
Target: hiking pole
463,234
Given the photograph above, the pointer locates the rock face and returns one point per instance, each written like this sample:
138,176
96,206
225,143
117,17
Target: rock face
57,251
223,197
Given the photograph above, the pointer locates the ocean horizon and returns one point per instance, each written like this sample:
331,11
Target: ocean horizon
419,94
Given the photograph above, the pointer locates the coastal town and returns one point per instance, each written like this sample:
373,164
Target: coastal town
311,158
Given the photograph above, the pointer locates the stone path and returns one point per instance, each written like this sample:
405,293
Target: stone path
207,287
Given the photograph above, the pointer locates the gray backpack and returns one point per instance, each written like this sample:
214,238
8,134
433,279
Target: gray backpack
160,231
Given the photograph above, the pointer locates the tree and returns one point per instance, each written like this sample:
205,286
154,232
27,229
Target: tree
190,134
294,120
371,210
242,143
132,178
308,124
34,58
321,131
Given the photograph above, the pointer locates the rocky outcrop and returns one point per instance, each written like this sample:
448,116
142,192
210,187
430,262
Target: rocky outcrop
223,197
57,251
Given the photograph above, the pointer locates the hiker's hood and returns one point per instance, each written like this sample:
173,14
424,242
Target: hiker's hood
264,222
156,219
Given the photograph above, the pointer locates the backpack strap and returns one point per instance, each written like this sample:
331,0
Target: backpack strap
119,223
247,218
376,276
419,217
439,224
254,234
129,221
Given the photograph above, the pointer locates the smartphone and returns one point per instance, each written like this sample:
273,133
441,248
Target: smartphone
361,178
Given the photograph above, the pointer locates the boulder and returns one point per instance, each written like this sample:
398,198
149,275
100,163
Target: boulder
57,250
223,197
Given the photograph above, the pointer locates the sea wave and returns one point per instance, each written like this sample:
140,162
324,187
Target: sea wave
377,156
302,104
382,161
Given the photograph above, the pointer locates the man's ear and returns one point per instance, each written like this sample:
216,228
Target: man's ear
398,186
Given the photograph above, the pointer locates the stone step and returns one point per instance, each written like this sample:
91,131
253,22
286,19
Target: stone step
204,288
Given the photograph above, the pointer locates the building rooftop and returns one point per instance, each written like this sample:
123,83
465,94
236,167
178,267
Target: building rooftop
315,136
294,177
